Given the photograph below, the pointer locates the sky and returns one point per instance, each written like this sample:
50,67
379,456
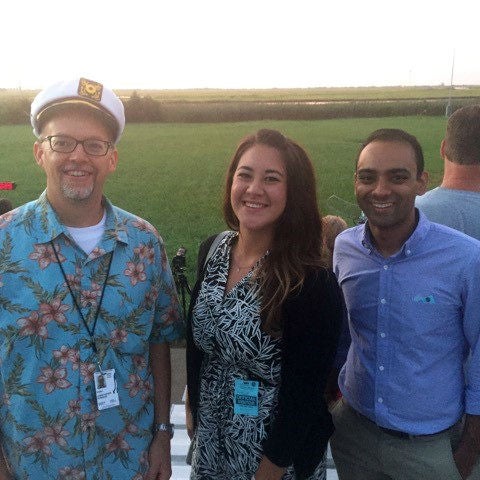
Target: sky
178,44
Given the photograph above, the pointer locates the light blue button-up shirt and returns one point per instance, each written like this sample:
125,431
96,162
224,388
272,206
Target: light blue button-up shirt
414,319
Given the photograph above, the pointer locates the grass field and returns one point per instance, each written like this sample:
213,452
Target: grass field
172,174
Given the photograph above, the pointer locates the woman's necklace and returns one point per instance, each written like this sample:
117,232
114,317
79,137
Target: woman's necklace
238,268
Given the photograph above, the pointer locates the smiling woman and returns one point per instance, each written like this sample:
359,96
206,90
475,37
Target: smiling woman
263,324
259,190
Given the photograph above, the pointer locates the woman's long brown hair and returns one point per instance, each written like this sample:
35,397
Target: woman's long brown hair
297,242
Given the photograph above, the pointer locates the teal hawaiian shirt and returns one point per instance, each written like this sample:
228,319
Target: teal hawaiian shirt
50,425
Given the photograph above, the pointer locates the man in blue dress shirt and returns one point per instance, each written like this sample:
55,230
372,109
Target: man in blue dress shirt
411,382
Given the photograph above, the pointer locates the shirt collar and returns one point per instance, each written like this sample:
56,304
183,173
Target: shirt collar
49,227
421,230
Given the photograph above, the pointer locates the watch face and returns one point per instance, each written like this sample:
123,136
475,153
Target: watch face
165,427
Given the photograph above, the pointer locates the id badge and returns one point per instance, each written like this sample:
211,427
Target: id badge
245,398
106,389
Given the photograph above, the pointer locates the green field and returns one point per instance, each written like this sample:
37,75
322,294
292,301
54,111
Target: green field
172,174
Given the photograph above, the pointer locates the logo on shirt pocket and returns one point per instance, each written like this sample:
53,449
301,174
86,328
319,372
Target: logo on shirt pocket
424,299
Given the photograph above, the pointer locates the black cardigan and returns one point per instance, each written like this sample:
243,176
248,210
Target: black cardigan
311,325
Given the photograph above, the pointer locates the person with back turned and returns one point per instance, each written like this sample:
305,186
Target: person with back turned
456,202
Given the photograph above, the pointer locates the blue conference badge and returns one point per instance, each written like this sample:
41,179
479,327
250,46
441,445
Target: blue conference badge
245,398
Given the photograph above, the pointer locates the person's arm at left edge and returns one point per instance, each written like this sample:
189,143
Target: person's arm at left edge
467,453
4,468
159,453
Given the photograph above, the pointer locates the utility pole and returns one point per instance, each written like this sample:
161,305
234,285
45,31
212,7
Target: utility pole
448,109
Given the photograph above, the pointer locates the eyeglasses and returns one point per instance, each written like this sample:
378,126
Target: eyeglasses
65,144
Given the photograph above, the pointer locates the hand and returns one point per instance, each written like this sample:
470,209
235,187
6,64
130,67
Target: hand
268,470
464,461
468,451
159,458
189,421
5,471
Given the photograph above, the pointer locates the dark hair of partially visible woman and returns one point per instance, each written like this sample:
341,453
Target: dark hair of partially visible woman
297,240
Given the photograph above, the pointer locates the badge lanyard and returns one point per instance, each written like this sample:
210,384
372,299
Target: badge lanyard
91,332
105,385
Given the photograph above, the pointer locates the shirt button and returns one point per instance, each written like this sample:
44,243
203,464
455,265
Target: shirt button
381,368
385,267
380,400
408,252
383,335
383,301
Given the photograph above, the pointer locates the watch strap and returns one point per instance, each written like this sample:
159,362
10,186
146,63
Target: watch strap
164,427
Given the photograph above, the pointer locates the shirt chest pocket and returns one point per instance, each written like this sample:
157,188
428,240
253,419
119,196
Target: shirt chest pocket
431,316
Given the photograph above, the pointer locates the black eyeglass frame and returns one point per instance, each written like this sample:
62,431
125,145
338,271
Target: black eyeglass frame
77,142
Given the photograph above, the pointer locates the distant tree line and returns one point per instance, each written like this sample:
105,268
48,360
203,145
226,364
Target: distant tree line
145,109
15,110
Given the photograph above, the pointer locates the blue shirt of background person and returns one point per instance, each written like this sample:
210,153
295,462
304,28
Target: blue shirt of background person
456,201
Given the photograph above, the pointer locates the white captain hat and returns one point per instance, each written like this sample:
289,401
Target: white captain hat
79,91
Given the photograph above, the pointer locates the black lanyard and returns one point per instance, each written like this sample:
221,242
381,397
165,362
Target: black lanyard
91,332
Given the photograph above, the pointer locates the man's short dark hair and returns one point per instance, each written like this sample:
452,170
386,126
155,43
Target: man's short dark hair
396,135
462,138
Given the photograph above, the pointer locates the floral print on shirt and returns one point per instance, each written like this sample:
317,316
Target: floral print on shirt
50,425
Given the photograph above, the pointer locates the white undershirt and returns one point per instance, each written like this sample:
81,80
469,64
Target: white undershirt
88,237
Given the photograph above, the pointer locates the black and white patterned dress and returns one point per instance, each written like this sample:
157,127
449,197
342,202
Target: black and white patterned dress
226,327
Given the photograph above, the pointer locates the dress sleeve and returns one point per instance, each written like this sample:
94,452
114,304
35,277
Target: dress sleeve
302,424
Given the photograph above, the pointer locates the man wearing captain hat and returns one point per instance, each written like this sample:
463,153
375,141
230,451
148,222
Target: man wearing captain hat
87,307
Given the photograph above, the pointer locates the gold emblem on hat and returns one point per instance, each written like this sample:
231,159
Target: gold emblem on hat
90,89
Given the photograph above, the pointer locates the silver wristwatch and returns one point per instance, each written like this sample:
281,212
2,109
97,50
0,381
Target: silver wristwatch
164,427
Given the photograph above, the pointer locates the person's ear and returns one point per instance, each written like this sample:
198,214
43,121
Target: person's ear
442,149
422,183
113,159
39,153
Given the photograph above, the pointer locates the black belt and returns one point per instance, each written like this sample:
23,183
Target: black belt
391,431
398,433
